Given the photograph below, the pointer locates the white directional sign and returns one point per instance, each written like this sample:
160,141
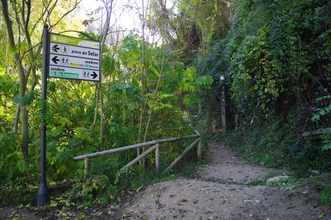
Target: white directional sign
75,62
74,58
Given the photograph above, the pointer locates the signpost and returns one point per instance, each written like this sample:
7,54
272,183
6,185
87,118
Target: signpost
74,58
68,58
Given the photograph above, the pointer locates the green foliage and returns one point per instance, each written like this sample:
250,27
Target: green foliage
163,98
27,99
321,118
73,129
326,196
313,156
10,154
95,184
276,56
13,195
262,143
84,117
322,114
326,141
213,19
285,183
274,63
11,158
212,63
275,144
22,165
279,73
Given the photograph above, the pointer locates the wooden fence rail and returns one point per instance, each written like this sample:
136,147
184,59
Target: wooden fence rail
316,134
155,146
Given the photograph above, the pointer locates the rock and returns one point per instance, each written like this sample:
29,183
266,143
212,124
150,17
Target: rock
247,200
276,179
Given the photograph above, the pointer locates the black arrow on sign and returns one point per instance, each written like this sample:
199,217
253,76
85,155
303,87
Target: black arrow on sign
55,59
94,74
55,48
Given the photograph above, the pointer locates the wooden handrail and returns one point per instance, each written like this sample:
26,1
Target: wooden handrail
141,156
181,155
134,146
316,132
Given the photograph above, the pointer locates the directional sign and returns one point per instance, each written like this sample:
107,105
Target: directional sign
73,73
74,58
75,62
74,41
83,52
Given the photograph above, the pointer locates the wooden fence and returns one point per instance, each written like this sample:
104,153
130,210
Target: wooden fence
316,134
155,146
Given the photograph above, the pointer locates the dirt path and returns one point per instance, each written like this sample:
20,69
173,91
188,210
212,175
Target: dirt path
220,192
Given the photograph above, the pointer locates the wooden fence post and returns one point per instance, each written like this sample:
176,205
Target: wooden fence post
236,122
86,164
142,155
181,155
199,150
223,109
157,160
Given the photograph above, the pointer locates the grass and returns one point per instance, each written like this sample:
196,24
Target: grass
326,196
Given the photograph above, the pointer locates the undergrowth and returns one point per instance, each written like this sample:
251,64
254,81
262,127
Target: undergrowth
276,144
273,144
103,185
326,196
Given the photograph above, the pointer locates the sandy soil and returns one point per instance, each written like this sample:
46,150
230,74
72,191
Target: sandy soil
223,189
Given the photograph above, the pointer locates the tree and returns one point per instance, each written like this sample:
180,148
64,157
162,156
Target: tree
187,24
24,21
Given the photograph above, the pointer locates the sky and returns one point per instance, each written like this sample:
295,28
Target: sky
125,18
122,16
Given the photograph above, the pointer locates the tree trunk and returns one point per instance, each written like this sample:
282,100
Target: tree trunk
143,72
25,132
24,112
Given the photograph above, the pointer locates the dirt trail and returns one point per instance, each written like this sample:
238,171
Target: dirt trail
220,192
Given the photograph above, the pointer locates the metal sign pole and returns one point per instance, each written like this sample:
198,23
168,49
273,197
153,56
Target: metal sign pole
43,193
